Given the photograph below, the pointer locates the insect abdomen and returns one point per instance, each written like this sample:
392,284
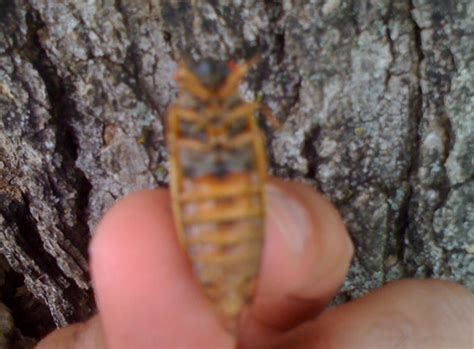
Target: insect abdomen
217,172
223,231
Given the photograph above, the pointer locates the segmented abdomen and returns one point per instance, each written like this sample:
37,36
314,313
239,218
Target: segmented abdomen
221,208
217,170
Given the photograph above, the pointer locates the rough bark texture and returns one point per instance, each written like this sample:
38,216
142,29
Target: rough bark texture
375,98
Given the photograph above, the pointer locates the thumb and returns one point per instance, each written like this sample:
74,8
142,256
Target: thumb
78,336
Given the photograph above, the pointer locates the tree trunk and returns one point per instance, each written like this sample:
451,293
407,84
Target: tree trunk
375,98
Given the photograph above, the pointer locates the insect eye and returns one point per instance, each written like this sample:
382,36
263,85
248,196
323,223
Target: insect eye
210,72
203,69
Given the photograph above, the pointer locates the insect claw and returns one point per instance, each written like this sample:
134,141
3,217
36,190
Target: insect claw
271,120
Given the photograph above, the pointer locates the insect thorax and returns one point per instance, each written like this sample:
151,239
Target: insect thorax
219,159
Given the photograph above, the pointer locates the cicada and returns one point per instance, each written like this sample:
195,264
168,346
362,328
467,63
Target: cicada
217,174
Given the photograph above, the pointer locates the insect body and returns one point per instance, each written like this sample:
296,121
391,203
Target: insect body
217,173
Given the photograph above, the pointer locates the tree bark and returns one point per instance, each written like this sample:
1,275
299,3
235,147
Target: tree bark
375,98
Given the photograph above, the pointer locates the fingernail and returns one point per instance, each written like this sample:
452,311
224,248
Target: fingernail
290,218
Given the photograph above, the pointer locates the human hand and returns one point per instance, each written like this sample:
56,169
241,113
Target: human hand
147,297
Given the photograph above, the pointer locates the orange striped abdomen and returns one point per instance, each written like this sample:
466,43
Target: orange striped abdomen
217,175
222,221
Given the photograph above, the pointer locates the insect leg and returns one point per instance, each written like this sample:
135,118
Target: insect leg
240,112
251,108
239,140
189,82
269,117
233,80
187,114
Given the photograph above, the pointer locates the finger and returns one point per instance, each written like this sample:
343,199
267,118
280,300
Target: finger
408,314
78,336
145,293
306,256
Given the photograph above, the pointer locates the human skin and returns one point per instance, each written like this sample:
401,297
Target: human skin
147,297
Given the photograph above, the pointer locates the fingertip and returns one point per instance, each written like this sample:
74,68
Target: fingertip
332,245
324,222
144,288
118,224
307,237
306,255
126,237
82,335
417,313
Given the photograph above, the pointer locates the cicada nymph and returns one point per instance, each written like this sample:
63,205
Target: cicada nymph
217,175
